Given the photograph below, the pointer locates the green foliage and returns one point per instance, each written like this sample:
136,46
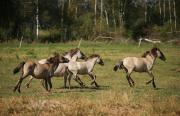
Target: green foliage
138,29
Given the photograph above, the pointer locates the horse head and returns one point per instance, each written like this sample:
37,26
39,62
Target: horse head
157,52
98,60
62,59
78,53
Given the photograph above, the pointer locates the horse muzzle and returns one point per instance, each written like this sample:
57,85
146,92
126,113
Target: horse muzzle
163,58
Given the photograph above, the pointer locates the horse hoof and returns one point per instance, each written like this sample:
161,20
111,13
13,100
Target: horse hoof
14,90
19,91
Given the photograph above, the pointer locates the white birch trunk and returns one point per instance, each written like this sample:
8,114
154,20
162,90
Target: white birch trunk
170,15
174,16
106,18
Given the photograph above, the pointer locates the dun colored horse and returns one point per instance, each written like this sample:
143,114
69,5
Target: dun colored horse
39,71
144,64
74,68
72,55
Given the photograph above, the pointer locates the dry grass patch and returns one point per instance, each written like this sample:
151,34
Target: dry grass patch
112,103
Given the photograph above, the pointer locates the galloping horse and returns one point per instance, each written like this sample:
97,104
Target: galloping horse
144,64
72,55
39,71
74,68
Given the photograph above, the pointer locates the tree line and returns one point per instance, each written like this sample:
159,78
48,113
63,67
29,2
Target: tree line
63,20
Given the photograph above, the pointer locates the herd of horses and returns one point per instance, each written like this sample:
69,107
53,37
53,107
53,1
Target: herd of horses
66,64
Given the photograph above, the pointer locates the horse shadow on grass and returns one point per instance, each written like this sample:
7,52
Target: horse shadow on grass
83,89
87,87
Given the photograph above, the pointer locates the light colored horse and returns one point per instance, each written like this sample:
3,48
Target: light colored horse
72,55
144,64
82,68
39,71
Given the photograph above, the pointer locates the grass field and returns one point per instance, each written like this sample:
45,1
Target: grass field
113,97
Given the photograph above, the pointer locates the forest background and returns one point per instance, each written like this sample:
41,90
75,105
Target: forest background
68,20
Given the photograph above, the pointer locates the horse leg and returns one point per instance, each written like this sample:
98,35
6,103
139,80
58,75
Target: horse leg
42,82
153,83
65,80
127,76
46,85
131,81
93,76
69,80
20,81
80,82
27,84
94,81
128,73
50,84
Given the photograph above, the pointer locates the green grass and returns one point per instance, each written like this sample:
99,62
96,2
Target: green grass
114,91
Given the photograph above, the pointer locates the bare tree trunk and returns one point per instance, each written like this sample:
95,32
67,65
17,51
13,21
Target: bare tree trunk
8,33
75,22
24,21
175,15
62,21
101,16
67,22
18,22
2,33
120,14
160,10
123,11
37,23
114,19
95,11
145,10
170,15
164,13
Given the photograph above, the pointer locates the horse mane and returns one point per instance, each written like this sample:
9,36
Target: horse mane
55,58
154,49
73,51
65,53
145,54
91,56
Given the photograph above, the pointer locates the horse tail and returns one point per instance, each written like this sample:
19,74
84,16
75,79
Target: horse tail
18,67
119,65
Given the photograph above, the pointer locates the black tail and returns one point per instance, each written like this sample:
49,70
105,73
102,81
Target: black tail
119,65
18,67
